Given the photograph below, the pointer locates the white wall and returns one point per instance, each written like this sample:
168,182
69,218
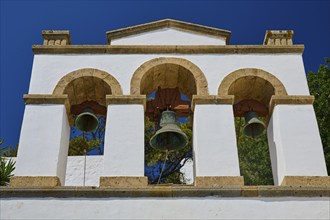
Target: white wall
44,142
49,69
94,168
214,141
124,141
295,143
75,171
165,208
168,36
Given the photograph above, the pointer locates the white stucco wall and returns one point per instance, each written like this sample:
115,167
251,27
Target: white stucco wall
75,171
49,69
94,169
124,141
214,141
165,208
295,143
168,36
188,172
44,142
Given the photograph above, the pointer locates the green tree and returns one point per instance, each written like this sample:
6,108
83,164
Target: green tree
78,145
319,86
254,159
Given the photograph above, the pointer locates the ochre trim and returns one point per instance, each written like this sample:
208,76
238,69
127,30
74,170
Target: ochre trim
168,23
124,181
126,99
106,77
199,77
168,191
218,181
287,100
290,100
34,181
160,49
45,99
211,99
322,181
41,99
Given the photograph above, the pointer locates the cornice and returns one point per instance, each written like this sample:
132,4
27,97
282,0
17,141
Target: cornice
157,49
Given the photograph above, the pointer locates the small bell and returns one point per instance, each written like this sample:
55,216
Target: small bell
170,136
87,121
253,126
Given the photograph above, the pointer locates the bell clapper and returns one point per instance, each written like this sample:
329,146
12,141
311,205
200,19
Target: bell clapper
85,152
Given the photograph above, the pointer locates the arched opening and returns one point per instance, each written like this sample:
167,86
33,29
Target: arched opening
252,89
86,90
169,84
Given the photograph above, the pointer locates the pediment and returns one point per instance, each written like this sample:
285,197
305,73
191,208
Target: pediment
168,32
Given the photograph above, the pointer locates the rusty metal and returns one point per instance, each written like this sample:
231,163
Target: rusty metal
250,105
169,98
170,136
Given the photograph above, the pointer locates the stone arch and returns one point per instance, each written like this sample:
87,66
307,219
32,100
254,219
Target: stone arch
198,75
86,85
233,76
88,72
251,83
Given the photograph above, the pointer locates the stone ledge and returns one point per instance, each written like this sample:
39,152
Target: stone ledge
158,49
42,99
212,99
219,181
323,181
126,99
288,100
34,181
45,99
166,191
123,181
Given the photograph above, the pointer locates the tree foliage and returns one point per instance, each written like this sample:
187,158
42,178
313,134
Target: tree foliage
78,145
254,159
319,86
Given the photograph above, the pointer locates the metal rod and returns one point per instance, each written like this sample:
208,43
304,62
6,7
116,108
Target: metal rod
161,173
85,151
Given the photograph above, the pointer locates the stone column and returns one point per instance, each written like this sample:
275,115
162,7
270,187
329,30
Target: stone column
124,142
294,142
214,142
44,142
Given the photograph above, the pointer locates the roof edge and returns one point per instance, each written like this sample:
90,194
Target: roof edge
168,23
173,49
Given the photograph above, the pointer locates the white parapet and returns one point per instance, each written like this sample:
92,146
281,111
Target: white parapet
165,208
214,143
294,143
124,141
44,142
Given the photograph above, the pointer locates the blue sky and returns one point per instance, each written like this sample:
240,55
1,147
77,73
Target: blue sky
23,21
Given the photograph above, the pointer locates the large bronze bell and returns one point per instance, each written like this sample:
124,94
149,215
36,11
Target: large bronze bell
169,137
87,121
253,126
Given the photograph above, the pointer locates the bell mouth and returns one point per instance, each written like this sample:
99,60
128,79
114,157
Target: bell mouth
170,136
169,140
87,121
253,126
